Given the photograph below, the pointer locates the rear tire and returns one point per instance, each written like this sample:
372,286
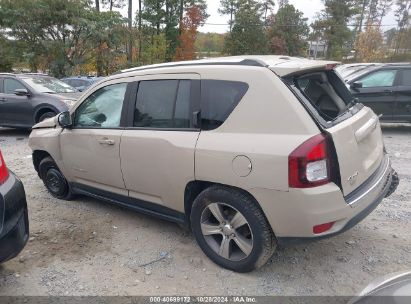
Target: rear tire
54,180
231,229
46,115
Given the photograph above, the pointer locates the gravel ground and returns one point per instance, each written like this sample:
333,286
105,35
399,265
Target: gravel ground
86,247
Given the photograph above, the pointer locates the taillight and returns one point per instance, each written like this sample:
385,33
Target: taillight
309,164
4,173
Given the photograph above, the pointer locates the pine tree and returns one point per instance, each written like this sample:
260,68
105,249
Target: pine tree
288,31
229,7
402,14
247,35
333,23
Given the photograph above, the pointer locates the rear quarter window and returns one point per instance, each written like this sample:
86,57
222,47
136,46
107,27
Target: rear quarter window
218,100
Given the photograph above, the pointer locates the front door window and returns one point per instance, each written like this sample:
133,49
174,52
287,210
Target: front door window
10,85
102,109
384,78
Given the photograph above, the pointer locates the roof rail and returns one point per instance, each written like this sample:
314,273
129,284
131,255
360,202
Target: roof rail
40,74
8,74
398,63
244,62
22,74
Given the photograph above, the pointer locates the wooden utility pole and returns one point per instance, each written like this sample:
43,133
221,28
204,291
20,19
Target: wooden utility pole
130,30
140,34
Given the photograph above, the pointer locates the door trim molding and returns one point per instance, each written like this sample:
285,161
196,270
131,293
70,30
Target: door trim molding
134,204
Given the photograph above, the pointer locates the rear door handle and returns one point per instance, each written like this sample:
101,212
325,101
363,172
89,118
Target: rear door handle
3,99
106,141
388,91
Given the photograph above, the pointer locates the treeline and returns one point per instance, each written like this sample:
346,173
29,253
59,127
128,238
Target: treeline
81,36
88,36
349,29
358,25
209,44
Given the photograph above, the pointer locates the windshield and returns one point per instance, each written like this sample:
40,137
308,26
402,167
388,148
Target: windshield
46,84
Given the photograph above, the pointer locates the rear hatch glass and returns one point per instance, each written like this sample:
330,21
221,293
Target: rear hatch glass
326,92
354,129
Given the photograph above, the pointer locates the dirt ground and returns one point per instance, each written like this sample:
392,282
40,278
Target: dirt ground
86,247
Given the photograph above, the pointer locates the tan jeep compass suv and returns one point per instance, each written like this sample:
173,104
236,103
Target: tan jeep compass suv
249,151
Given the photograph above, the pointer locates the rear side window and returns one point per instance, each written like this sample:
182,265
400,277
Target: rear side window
218,100
163,104
406,78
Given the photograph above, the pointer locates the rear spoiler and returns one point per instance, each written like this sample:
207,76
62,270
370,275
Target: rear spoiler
293,68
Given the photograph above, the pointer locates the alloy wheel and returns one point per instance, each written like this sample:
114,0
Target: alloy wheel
226,231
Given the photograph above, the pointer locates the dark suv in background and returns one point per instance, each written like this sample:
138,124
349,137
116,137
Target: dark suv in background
386,89
26,99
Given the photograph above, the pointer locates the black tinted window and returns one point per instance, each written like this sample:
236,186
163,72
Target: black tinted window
406,78
163,104
182,111
11,84
218,100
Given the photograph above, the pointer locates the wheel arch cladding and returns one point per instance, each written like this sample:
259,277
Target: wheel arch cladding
194,188
38,156
42,111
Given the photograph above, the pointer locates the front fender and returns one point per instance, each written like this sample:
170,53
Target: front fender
48,140
47,123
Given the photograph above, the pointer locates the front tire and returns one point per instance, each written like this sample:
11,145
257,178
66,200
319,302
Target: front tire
54,180
231,229
46,115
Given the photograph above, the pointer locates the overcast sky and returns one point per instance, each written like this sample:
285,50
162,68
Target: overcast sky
217,23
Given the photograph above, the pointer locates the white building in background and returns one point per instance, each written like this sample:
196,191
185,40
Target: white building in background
316,49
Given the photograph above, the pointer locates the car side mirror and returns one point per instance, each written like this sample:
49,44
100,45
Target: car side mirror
21,92
356,85
64,119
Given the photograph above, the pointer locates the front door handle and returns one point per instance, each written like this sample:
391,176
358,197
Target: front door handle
106,141
388,92
2,99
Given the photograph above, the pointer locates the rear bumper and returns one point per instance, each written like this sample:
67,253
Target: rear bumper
374,185
293,214
14,226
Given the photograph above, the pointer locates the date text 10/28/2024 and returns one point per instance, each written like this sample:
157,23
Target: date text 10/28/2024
203,299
